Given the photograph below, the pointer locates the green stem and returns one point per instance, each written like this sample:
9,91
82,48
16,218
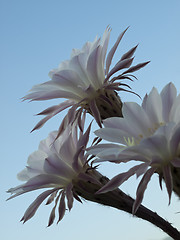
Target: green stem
119,200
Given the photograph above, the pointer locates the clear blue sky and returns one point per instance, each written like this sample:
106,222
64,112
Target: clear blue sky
35,37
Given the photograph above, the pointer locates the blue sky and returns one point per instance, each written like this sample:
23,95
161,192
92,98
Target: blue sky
35,37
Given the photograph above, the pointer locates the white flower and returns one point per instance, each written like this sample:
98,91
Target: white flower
86,81
139,122
56,166
149,133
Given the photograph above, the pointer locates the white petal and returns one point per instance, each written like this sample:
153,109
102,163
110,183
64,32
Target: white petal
154,107
54,165
136,119
141,188
94,150
36,159
175,141
104,42
44,181
113,50
175,110
24,175
113,135
168,96
112,122
95,68
69,80
156,145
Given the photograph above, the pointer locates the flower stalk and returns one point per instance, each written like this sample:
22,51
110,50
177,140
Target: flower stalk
119,200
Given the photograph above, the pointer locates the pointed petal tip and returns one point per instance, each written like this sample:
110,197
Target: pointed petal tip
22,220
127,28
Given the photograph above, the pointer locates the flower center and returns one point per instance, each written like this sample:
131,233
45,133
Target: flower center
108,103
130,141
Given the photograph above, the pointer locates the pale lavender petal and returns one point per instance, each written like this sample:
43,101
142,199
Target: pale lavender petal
62,207
41,122
62,126
72,113
130,156
121,77
83,119
35,205
141,189
54,165
154,107
140,150
25,175
60,107
95,67
16,191
174,114
112,122
112,51
45,144
51,198
129,54
121,89
142,168
113,135
49,110
52,215
79,122
42,181
144,102
168,180
35,161
136,67
66,79
126,125
75,163
116,181
175,140
74,135
95,112
168,95
83,140
136,119
166,130
101,147
69,196
104,43
120,65
78,64
48,94
157,145
111,154
67,150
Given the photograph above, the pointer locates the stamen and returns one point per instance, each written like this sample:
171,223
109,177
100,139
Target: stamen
130,141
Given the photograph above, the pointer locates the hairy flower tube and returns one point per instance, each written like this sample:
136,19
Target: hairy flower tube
56,166
149,133
87,82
